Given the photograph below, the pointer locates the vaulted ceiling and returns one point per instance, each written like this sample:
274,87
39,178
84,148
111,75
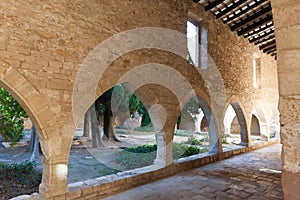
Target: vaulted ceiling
251,19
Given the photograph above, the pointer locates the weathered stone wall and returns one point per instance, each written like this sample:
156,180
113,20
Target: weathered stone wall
234,57
287,25
44,44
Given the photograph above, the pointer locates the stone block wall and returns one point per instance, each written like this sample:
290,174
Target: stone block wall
287,24
44,46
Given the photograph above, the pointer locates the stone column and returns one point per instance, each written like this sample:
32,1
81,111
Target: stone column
164,150
245,133
287,30
198,120
213,136
264,131
56,149
54,181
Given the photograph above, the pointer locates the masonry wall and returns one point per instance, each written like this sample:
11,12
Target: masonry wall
286,18
43,46
234,57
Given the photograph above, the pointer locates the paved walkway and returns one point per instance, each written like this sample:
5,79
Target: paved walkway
253,176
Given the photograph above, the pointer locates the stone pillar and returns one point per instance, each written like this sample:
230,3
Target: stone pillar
198,119
56,149
213,136
164,150
287,30
54,181
245,133
264,131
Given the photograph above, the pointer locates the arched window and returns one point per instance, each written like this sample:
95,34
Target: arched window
256,72
197,45
193,43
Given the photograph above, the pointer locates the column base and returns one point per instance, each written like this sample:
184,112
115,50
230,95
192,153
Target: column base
54,180
290,185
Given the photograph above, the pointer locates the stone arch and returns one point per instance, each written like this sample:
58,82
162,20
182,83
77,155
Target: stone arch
210,121
259,113
234,124
203,123
156,75
159,111
110,74
163,114
229,118
120,44
102,57
137,79
187,88
239,111
29,98
212,127
36,107
255,126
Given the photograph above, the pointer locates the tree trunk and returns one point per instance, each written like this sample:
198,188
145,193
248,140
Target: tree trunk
34,145
87,124
109,130
96,135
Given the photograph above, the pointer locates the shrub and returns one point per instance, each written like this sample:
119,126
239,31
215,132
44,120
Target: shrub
136,157
146,148
144,155
193,141
182,151
17,179
224,139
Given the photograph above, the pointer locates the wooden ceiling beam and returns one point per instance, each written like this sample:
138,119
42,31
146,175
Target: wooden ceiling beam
251,18
264,11
255,25
266,39
263,38
274,54
264,46
270,49
229,8
242,12
267,26
212,4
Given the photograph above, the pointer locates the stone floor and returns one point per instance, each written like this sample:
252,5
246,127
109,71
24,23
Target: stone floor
253,176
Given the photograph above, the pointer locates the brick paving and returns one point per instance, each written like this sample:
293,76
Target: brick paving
253,176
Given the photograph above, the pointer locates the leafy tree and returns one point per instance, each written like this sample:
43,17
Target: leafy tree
128,101
191,108
189,111
11,119
122,100
143,111
103,107
114,101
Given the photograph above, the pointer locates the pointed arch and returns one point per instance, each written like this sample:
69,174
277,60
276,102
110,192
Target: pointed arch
259,113
240,114
34,104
